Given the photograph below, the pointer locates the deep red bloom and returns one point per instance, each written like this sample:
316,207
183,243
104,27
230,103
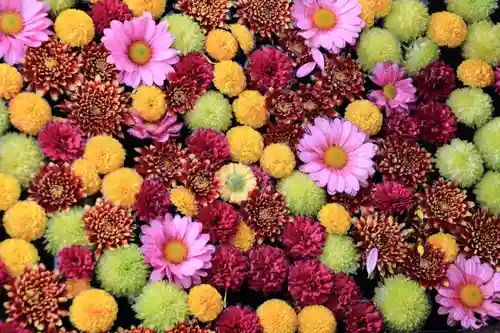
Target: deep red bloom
428,268
289,134
4,273
13,327
161,161
310,282
355,204
438,124
229,268
403,125
497,78
207,144
220,221
317,101
194,67
268,269
284,105
392,197
238,319
295,47
152,201
94,59
345,294
75,263
364,318
61,141
199,178
436,81
105,11
269,68
303,238
263,179
180,95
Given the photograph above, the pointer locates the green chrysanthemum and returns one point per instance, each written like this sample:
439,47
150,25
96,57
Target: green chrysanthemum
471,106
461,162
472,10
122,271
302,195
407,19
20,156
212,110
487,140
161,305
419,54
488,192
340,254
65,229
378,45
57,6
483,42
4,117
188,34
403,303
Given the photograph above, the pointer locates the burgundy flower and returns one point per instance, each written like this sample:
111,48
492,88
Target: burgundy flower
392,197
436,81
295,47
289,134
199,178
207,144
159,131
229,268
61,141
268,268
13,327
345,294
161,161
497,78
438,124
180,95
310,282
403,125
285,105
4,273
317,101
238,319
220,221
152,201
105,11
426,265
364,318
263,179
303,238
269,68
194,67
75,263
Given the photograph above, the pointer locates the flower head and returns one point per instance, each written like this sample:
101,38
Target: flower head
437,123
335,219
29,112
476,73
75,263
482,42
189,36
74,27
487,192
364,318
160,130
211,111
236,182
295,47
219,220
93,310
17,254
94,62
162,162
238,319
302,195
250,109
316,319
278,160
207,144
139,7
229,78
208,13
152,201
284,105
11,82
303,238
317,101
10,191
199,178
310,282
377,45
427,265
436,81
419,54
106,11
183,327
61,140
25,220
402,125
472,11
65,229
229,268
340,254
276,315
205,302
184,201
471,106
268,269
392,197
447,29
344,295
245,144
407,27
181,95
221,45
194,67
269,68
264,17
283,133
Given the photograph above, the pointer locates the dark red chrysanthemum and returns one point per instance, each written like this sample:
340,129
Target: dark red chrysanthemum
295,47
289,134
94,59
61,141
209,13
139,329
199,178
55,187
364,318
355,204
238,319
13,327
438,124
391,197
207,144
52,68
317,101
428,268
266,213
310,282
284,105
265,17
152,201
268,269
436,81
75,263
497,79
4,273
162,162
229,268
269,68
194,67
303,238
219,220
345,294
180,96
98,107
263,179
403,125
105,11
186,327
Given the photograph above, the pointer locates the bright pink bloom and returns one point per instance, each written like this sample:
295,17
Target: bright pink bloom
141,50
397,90
61,141
22,23
336,155
176,248
472,295
160,130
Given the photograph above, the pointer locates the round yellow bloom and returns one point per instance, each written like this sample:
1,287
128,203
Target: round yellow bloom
88,172
447,29
278,160
29,112
74,27
149,102
16,254
476,73
368,12
446,243
243,36
316,319
365,115
76,287
139,7
221,45
382,7
229,78
25,220
105,152
245,144
205,302
235,182
11,81
244,238
121,186
10,191
335,218
184,201
250,109
277,316
93,311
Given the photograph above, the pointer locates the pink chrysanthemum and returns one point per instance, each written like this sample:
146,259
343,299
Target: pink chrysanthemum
141,50
310,282
392,197
303,238
152,201
106,11
336,155
229,268
268,269
177,249
61,141
397,90
22,23
75,263
269,68
471,295
159,131
237,319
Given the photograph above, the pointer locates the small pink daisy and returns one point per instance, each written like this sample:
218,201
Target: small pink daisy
336,155
141,50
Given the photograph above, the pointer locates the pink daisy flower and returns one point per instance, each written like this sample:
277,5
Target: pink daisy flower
22,23
160,130
176,248
472,295
141,50
336,155
397,90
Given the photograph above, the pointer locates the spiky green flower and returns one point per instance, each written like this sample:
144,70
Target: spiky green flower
419,54
65,229
189,36
483,42
302,195
407,19
212,110
471,106
57,6
472,10
340,254
487,140
378,45
4,117
488,192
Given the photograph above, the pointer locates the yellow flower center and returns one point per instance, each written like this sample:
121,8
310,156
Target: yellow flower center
56,191
471,296
335,157
325,19
11,23
139,52
50,63
175,252
390,91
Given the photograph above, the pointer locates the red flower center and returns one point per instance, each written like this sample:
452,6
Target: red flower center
175,252
139,52
11,23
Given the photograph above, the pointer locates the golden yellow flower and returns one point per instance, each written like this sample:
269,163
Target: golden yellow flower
16,254
277,316
368,12
476,73
447,29
335,218
25,220
74,27
10,191
105,152
244,238
184,201
278,160
149,102
382,7
121,186
245,144
221,45
88,172
139,7
446,243
11,81
316,319
29,112
250,109
93,311
205,302
229,78
244,37
365,115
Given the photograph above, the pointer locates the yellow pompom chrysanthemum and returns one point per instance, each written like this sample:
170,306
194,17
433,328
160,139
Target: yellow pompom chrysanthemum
245,144
335,218
244,238
447,29
250,109
93,311
277,316
244,37
382,7
88,172
221,45
140,7
235,182
29,112
365,115
105,152
446,243
316,319
11,81
16,254
149,102
74,27
184,201
121,186
25,220
368,12
229,78
476,73
278,160
205,302
10,191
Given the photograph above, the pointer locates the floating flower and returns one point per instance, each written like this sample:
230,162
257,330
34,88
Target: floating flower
65,229
264,17
427,265
18,254
93,310
205,302
476,73
340,254
316,319
207,144
471,106
219,220
121,186
335,219
75,263
407,27
269,68
211,111
436,81
189,36
268,269
437,123
25,220
377,45
11,82
302,195
310,282
392,197
199,178
10,191
303,238
106,11
250,109
229,268
276,315
277,160
419,54
152,201
447,29
482,42
159,131
238,319
29,112
344,295
61,140
245,144
229,78
221,45
74,27
236,182
208,13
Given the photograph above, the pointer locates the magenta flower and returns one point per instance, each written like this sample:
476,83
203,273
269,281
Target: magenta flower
397,90
160,130
176,248
472,295
61,141
336,155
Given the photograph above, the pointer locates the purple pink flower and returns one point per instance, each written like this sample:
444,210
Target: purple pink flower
160,130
